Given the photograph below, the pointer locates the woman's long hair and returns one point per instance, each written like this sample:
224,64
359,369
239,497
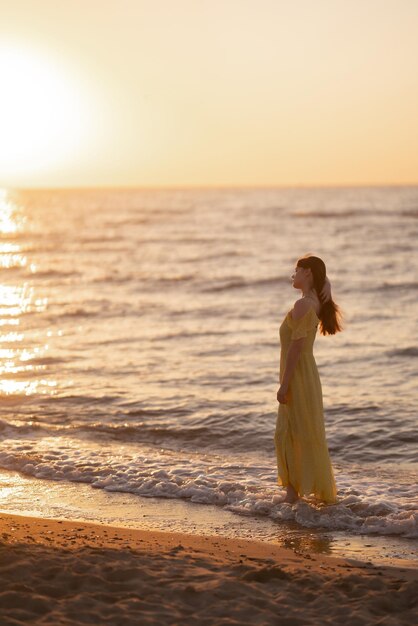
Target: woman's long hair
329,313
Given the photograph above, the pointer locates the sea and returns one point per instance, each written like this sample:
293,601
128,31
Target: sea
139,359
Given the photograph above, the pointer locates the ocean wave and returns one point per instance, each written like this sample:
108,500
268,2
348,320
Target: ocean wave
155,281
177,426
241,283
329,214
352,409
99,308
370,505
84,400
76,312
16,429
207,257
249,432
386,286
358,212
410,213
147,432
175,278
15,268
183,334
45,360
160,433
143,215
40,274
144,219
102,239
407,352
115,278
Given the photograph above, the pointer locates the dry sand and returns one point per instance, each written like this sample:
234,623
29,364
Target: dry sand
59,572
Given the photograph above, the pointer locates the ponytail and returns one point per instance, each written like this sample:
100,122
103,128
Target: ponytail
330,316
330,313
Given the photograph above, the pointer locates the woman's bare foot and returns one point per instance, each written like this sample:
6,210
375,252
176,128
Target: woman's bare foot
291,494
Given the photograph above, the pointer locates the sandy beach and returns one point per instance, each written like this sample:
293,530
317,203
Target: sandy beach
61,572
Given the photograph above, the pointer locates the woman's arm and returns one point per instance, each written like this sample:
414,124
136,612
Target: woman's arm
292,357
300,309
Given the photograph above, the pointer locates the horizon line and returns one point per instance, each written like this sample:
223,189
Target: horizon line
186,187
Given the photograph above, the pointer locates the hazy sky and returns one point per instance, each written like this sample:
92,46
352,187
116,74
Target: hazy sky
208,92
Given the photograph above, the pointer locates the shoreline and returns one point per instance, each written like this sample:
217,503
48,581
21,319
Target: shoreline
78,502
66,571
63,500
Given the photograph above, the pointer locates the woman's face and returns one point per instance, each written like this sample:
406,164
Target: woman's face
300,277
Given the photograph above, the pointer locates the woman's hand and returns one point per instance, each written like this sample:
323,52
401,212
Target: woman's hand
282,394
326,290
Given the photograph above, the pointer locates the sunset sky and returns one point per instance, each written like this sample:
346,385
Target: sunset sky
208,92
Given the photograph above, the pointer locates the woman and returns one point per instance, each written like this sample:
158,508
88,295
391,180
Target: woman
303,462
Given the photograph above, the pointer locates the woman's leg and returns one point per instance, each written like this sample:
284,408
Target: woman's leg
291,494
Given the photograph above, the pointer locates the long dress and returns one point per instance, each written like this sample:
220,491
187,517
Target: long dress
301,448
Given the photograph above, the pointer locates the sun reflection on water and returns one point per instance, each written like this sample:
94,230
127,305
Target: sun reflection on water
18,300
10,221
10,256
20,361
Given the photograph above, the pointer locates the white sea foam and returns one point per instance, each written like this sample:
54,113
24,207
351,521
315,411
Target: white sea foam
371,507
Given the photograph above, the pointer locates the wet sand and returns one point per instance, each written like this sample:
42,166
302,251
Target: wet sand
60,572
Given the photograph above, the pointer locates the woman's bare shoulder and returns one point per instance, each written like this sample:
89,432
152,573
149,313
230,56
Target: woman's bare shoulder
301,307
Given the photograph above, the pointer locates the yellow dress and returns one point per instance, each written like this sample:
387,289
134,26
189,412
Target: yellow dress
300,442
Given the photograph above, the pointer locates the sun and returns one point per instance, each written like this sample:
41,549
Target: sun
46,114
